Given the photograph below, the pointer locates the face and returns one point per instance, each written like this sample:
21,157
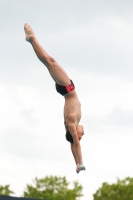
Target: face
80,131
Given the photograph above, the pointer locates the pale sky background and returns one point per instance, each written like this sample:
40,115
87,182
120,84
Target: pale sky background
93,42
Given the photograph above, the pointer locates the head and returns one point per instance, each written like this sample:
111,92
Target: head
80,133
69,137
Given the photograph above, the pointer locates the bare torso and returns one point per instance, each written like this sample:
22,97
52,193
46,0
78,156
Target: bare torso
72,108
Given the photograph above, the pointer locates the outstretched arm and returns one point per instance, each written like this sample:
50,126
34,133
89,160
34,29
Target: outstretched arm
76,149
75,158
74,154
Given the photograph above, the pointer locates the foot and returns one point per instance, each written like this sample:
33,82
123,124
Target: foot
29,34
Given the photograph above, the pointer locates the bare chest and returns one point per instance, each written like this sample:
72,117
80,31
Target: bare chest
72,107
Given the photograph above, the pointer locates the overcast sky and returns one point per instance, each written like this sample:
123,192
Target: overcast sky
93,42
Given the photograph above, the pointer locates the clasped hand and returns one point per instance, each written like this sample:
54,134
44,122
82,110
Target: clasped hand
80,168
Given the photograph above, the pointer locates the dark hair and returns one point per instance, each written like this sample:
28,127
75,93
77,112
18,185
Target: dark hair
69,137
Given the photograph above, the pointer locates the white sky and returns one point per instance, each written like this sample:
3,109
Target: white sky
93,42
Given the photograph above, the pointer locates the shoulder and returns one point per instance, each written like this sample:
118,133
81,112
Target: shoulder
70,118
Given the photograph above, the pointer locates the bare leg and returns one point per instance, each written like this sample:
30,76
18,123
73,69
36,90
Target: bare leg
55,70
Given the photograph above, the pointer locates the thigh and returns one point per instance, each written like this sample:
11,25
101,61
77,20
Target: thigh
58,73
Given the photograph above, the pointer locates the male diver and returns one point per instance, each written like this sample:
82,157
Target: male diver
64,86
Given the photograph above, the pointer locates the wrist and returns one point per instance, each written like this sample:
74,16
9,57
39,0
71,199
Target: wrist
80,165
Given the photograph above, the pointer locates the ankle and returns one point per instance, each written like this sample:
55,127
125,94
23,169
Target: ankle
30,38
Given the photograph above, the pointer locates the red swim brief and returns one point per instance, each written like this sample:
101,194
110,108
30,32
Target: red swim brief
65,89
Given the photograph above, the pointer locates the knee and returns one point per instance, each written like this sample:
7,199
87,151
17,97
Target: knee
50,59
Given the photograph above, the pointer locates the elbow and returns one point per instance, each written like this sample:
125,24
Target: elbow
77,145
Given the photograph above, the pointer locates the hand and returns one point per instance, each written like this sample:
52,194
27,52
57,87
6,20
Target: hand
80,168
